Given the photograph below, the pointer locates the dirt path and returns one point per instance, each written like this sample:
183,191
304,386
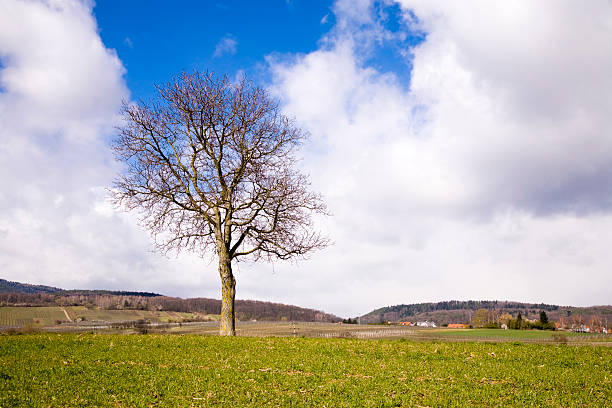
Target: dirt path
66,313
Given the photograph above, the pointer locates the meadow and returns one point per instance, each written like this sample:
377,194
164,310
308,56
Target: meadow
49,369
537,336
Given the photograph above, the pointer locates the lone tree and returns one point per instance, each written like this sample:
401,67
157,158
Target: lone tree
211,167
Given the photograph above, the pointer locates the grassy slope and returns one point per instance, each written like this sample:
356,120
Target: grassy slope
119,370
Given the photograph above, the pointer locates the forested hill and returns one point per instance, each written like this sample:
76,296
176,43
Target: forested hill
455,311
19,294
18,287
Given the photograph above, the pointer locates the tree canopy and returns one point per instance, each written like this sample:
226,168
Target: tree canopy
211,167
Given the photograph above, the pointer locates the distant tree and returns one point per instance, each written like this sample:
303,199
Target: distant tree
211,168
481,318
505,318
596,322
543,317
576,321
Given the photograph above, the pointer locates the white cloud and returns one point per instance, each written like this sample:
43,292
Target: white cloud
61,91
518,91
226,46
488,178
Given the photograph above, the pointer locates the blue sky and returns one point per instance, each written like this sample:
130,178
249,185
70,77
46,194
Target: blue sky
158,39
463,148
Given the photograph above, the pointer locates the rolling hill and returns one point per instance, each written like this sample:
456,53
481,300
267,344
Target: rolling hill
455,311
17,287
16,294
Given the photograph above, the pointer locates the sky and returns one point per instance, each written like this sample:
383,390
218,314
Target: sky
463,148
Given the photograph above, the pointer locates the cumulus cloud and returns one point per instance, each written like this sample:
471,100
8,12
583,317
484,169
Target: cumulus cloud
518,91
60,93
487,177
227,46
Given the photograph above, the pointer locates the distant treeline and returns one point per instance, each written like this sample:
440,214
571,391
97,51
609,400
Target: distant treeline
455,311
107,292
462,305
245,309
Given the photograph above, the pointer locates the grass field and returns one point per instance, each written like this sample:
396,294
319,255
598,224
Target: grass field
175,371
522,335
508,334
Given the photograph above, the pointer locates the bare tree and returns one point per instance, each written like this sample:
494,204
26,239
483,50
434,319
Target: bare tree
211,167
596,323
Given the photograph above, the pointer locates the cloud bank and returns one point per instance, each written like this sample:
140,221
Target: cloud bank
488,176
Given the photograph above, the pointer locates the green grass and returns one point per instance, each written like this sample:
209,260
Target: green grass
533,335
60,370
499,333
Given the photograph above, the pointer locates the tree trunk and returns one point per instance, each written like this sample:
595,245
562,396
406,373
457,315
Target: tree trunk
228,293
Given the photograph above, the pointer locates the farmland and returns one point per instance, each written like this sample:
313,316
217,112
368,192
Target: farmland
166,370
23,316
330,330
52,315
54,319
94,314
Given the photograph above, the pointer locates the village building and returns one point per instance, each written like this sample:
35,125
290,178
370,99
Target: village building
457,326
